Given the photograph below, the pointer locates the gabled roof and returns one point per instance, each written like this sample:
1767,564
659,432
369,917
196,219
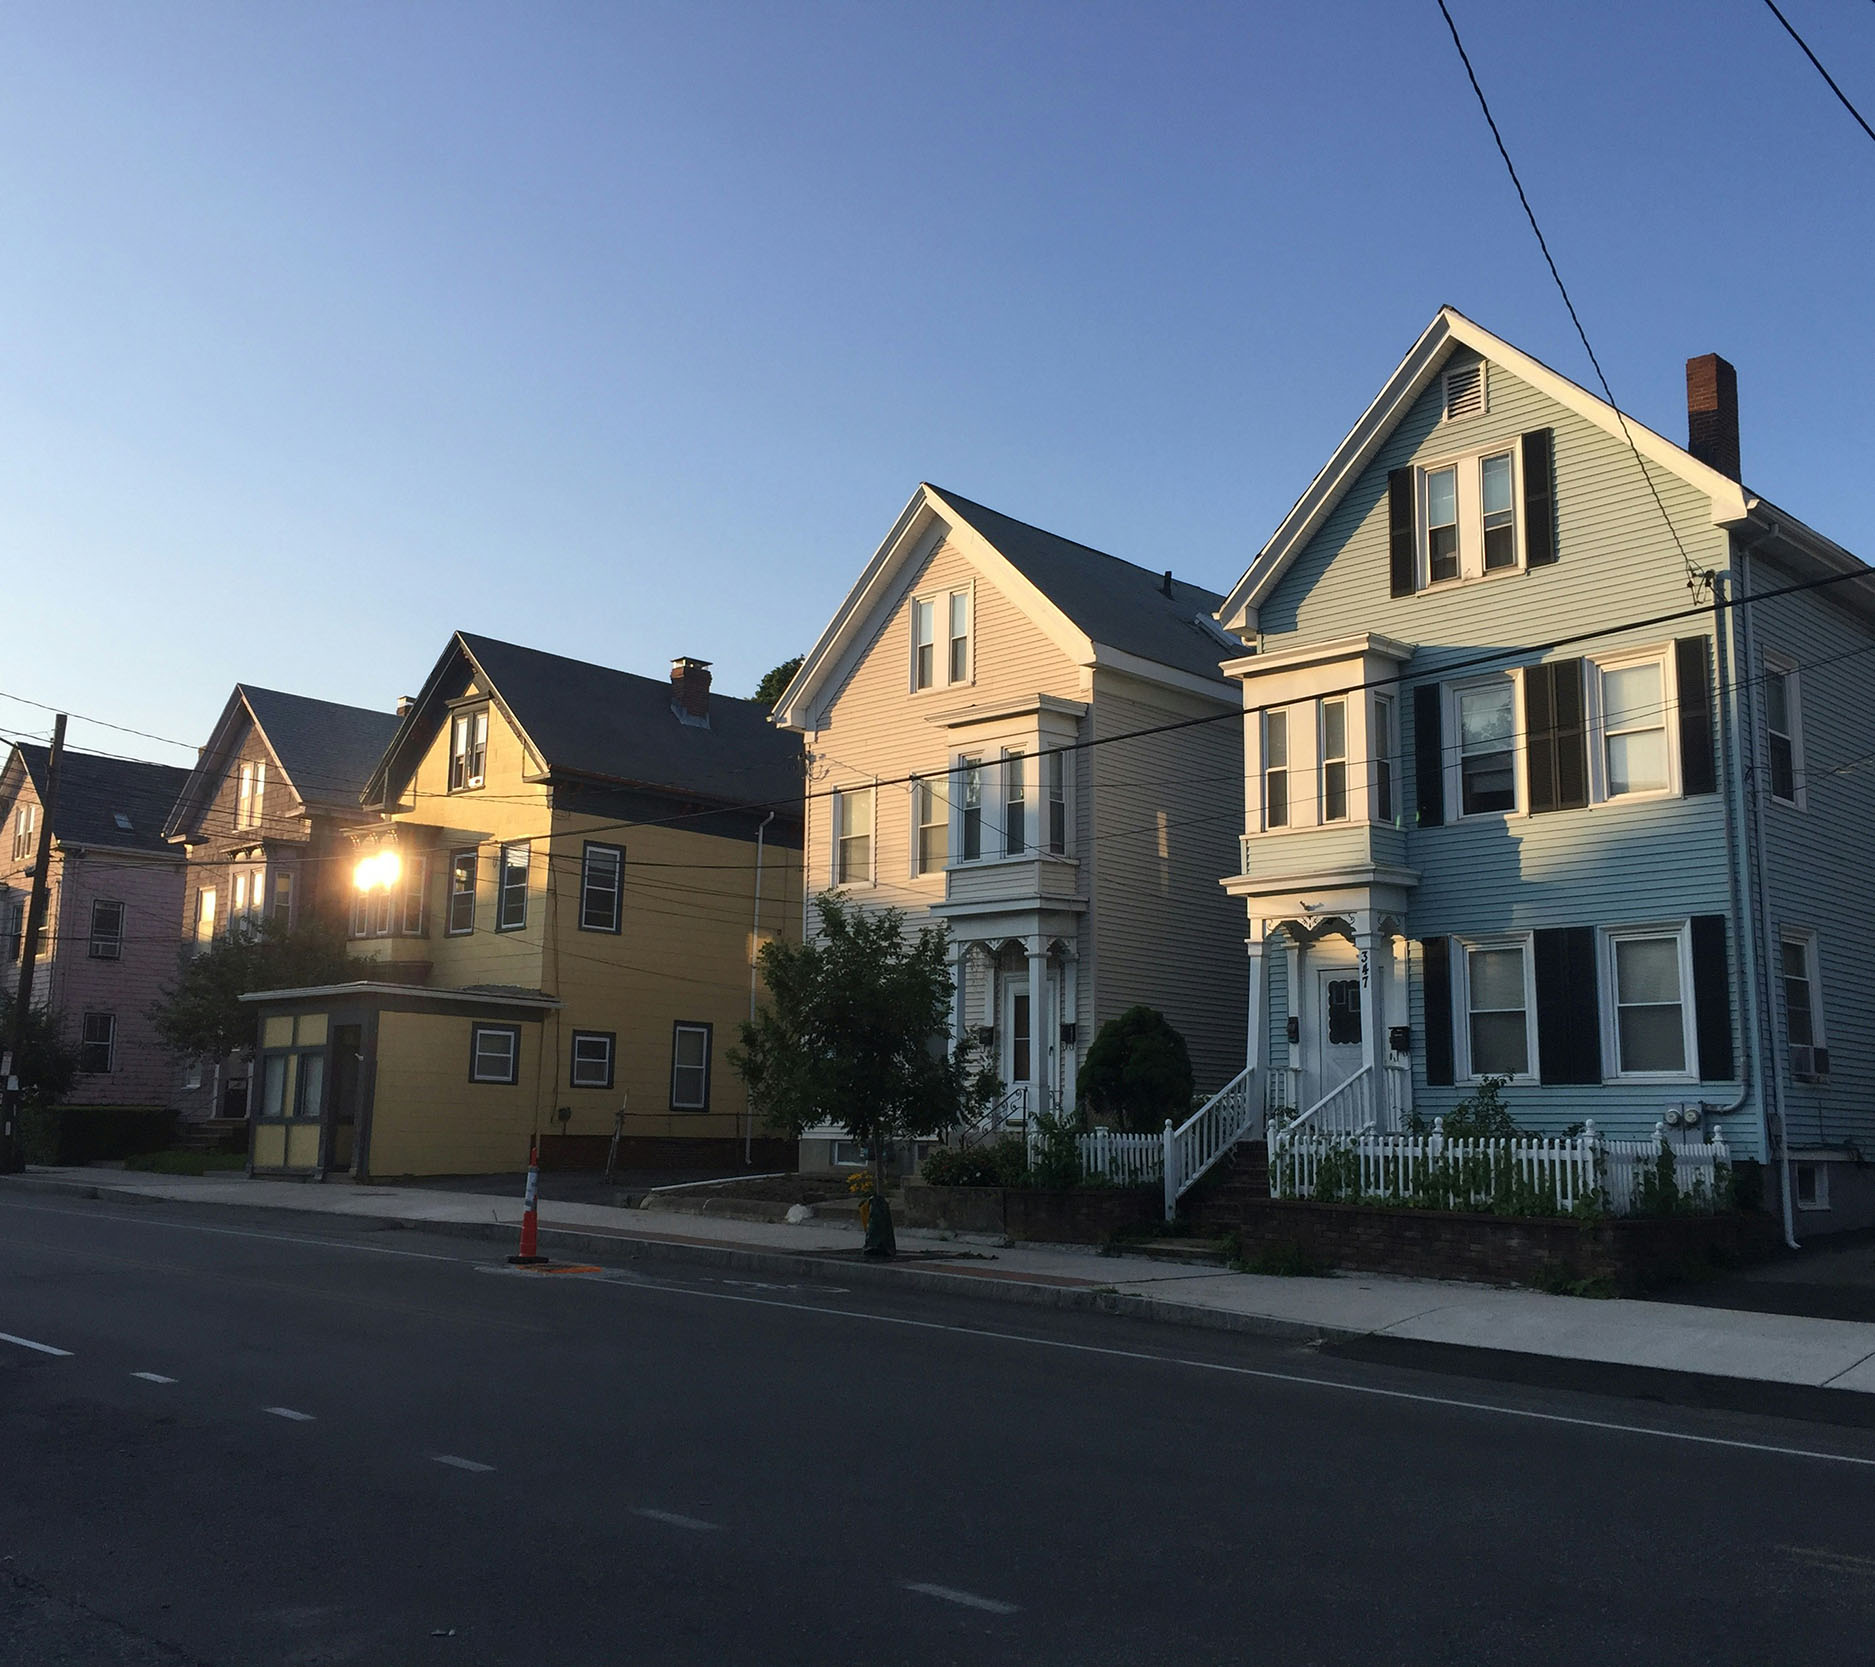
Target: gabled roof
1098,608
596,724
99,795
326,751
1730,502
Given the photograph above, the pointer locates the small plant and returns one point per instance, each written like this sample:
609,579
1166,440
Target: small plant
1057,1155
860,1183
1559,1279
1285,1259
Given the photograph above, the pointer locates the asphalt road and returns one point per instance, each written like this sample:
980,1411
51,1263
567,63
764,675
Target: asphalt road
333,1444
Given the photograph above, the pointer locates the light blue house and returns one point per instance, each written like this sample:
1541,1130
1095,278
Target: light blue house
1533,792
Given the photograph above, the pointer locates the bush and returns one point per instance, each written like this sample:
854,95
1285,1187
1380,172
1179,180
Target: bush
88,1134
1002,1163
1138,1072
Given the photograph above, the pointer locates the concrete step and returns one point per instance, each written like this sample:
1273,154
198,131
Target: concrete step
1191,1252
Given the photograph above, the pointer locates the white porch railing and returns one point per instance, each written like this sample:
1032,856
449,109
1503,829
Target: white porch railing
1560,1172
1207,1135
1344,1110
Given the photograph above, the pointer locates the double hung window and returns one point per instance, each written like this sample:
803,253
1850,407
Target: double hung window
1784,749
932,816
1803,1016
970,806
1015,806
511,901
1498,1002
1334,761
1275,769
1442,523
25,831
1058,804
1499,508
592,1058
468,749
1633,713
281,912
602,888
940,639
1487,746
690,1067
410,914
1650,977
107,930
97,1044
1470,517
494,1053
852,836
13,930
205,914
461,893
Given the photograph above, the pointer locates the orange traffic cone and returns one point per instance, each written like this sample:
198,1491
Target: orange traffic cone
530,1212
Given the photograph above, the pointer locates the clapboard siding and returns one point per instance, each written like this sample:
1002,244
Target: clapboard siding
1818,857
1169,936
1608,864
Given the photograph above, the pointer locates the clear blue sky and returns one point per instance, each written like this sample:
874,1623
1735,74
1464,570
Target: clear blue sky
626,330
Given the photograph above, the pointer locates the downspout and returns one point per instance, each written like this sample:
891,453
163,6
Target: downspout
755,934
1771,1088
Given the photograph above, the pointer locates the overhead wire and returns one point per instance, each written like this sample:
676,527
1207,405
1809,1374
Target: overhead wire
1817,64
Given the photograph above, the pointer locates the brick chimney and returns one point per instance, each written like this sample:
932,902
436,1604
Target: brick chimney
1712,413
690,689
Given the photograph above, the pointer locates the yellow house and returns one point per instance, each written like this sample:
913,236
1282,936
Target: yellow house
570,875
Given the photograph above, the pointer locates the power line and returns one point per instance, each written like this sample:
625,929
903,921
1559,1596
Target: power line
1695,579
1829,79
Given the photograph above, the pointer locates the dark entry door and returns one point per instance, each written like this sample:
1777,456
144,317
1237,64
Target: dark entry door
347,1048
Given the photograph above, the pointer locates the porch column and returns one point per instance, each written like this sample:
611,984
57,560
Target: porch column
1368,945
1253,1030
1070,1015
1038,1017
1294,1031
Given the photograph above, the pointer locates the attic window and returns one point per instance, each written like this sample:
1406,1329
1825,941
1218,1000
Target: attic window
122,819
1464,391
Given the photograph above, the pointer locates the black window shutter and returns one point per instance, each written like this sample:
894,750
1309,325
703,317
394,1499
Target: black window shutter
1692,661
1400,540
1712,999
1429,753
1555,737
1539,497
1436,954
1568,1015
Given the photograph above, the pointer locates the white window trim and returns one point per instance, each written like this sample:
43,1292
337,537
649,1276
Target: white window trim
110,1046
936,782
1349,781
513,1033
611,1056
683,1027
940,604
1682,932
1469,467
1661,656
1049,756
1820,1173
1288,768
25,830
1454,759
1806,939
1786,668
1382,748
1524,944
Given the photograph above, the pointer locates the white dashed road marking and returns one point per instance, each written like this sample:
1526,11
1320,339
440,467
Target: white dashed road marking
152,1377
28,1343
455,1463
288,1412
950,1594
676,1521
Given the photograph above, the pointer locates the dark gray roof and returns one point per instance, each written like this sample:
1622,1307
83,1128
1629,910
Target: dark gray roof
94,791
593,721
1113,601
327,750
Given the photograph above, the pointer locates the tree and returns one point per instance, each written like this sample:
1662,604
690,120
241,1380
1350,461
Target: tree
1138,1071
203,1017
769,690
853,1033
47,1064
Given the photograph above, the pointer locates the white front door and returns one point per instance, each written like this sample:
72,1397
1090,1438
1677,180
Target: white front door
1338,1051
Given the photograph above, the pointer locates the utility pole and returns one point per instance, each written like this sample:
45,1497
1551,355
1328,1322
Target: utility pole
12,1158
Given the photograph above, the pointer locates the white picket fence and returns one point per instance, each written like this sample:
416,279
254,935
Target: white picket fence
1127,1160
1566,1170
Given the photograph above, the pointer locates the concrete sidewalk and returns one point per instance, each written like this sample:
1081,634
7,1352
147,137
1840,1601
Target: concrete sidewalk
1767,1349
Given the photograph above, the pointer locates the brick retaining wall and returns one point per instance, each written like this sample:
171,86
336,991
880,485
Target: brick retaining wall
1074,1215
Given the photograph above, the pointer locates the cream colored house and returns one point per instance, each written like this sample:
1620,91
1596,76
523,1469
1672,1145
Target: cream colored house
1026,739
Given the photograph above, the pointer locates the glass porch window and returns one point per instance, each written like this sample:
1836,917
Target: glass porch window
1057,804
1634,729
1275,769
1015,806
1381,744
970,803
1487,752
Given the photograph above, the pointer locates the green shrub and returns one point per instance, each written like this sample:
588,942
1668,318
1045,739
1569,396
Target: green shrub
1137,1072
1057,1159
1002,1163
89,1134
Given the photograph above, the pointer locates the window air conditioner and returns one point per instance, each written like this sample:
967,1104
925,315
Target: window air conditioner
1808,1064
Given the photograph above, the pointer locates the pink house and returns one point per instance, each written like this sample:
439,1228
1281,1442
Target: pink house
113,921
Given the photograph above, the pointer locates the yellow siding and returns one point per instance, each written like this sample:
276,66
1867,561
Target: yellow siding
427,1118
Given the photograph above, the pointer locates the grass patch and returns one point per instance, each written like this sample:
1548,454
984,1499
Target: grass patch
1561,1280
1285,1259
185,1163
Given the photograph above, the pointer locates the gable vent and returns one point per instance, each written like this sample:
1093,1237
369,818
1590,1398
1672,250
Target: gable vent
1464,392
